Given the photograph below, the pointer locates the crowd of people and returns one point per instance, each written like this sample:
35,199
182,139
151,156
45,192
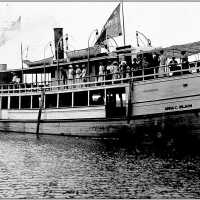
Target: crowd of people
72,75
153,63
148,63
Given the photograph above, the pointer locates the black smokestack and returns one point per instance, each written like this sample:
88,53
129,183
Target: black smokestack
58,33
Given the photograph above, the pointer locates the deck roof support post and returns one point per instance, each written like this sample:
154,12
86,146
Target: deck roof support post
20,101
88,97
57,103
8,102
72,99
31,101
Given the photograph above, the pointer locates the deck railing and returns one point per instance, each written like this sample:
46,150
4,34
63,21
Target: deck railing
103,80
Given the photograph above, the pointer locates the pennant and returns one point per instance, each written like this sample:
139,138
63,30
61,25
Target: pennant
112,28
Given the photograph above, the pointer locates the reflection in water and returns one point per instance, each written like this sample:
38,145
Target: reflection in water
64,167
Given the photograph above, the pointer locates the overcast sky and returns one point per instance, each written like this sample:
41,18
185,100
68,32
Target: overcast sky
165,23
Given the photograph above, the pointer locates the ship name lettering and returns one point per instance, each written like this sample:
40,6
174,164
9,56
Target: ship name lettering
177,107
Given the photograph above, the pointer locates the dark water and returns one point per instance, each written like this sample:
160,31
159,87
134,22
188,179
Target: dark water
63,167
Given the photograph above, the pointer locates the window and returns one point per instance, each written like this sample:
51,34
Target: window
65,100
35,101
14,102
27,78
120,100
116,102
97,97
81,98
25,101
51,101
4,102
34,78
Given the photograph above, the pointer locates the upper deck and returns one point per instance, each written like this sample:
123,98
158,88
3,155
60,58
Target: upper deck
95,81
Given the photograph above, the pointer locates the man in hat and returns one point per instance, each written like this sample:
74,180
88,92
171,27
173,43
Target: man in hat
83,73
116,70
184,62
78,74
123,68
109,71
163,61
70,75
64,75
173,65
15,79
101,72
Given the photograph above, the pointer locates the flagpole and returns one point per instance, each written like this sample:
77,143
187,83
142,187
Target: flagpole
22,63
123,22
107,41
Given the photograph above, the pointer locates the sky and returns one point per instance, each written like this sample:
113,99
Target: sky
164,23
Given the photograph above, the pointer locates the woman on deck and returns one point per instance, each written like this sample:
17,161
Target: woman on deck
101,72
70,75
163,61
78,74
116,74
83,73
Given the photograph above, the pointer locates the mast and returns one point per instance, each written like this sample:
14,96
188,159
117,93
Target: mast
124,35
22,62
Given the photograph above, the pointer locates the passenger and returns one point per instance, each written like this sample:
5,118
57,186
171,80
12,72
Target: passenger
173,65
184,62
70,75
78,74
116,74
145,63
15,79
108,71
134,65
101,72
83,73
146,66
135,68
155,63
64,76
123,69
112,71
128,71
139,61
163,61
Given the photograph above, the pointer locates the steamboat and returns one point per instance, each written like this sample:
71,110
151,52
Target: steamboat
45,98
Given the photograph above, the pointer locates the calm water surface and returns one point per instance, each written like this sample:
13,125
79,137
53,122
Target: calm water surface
63,167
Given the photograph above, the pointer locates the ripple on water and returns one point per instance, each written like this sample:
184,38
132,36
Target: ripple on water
64,167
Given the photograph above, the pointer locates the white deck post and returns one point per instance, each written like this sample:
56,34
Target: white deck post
58,97
88,98
105,96
44,102
20,101
72,99
8,102
31,101
0,102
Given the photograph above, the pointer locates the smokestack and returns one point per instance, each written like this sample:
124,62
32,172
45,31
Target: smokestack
58,33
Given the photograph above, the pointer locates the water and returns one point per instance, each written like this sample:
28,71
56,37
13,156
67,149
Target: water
64,167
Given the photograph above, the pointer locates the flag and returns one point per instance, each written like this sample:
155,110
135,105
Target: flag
112,28
10,31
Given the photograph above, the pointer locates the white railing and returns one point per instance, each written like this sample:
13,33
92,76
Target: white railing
96,81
